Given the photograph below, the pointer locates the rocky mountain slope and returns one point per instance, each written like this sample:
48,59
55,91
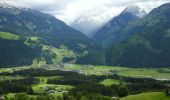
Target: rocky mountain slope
145,42
111,32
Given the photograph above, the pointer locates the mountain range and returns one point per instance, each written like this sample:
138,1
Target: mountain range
133,39
138,41
111,32
30,37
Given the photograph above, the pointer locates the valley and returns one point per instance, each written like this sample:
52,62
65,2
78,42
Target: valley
58,81
43,58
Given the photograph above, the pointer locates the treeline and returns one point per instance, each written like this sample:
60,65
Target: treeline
42,72
17,86
76,79
120,90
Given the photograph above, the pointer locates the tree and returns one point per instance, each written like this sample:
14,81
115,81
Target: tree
30,90
21,96
167,92
122,90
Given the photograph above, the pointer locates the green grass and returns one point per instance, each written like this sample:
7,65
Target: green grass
109,82
12,69
35,38
60,53
122,71
145,72
38,88
9,36
8,70
148,96
2,78
10,96
95,70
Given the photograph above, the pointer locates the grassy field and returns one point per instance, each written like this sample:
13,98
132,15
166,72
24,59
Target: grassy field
60,53
38,88
148,96
109,82
97,70
104,70
35,38
9,36
2,78
122,71
10,96
146,72
10,70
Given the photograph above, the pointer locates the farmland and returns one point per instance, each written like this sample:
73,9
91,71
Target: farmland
156,73
76,81
109,82
148,96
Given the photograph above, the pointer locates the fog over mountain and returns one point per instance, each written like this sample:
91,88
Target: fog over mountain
85,15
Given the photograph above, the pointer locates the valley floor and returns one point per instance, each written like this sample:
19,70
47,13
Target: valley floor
156,73
58,80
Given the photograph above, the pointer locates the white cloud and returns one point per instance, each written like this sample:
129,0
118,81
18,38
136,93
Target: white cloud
98,11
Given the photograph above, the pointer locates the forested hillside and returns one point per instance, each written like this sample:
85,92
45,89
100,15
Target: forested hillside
111,32
31,37
146,41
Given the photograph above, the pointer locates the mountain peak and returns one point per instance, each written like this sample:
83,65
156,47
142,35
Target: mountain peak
135,10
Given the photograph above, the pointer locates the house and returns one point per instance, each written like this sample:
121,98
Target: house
115,98
51,91
45,88
2,98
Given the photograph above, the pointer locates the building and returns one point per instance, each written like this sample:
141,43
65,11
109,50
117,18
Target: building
115,98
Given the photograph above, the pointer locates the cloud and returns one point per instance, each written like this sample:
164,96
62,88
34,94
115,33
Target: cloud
98,12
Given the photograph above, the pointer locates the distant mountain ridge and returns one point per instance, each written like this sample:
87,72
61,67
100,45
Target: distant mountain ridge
136,11
146,41
111,31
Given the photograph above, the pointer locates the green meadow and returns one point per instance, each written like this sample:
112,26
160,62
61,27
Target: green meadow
148,96
109,82
38,88
9,36
123,71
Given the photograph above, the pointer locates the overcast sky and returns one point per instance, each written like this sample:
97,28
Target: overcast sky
99,11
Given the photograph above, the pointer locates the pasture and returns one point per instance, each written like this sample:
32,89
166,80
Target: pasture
109,82
148,96
154,73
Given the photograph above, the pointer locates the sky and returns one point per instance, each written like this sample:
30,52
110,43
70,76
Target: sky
86,12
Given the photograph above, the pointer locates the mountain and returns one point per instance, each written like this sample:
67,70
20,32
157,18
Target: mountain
30,37
110,32
147,41
89,23
85,24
